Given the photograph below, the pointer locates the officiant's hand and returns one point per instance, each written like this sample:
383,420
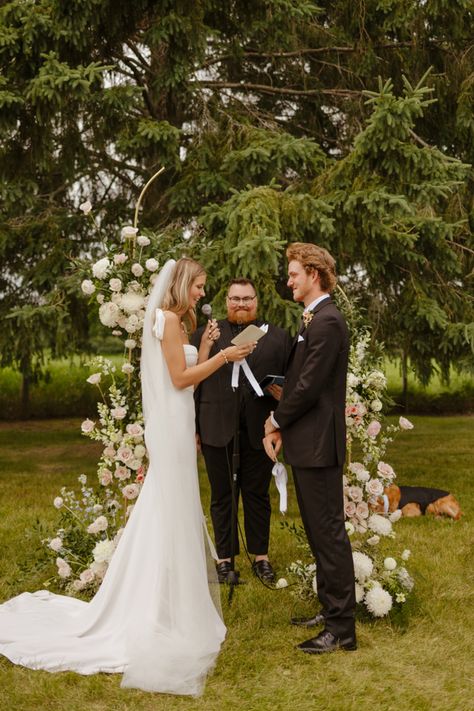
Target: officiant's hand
272,445
274,391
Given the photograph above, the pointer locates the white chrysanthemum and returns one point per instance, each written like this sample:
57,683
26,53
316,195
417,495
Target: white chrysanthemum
405,579
406,554
379,601
363,566
101,268
379,524
103,551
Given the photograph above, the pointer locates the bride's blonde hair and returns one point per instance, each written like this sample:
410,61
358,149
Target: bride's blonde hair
176,298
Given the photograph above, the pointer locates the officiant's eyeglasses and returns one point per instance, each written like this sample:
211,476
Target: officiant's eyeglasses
246,300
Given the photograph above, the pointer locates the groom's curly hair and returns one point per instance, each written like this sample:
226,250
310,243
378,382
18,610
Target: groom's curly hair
314,258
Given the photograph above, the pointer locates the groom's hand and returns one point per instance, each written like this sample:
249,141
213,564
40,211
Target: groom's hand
269,426
272,444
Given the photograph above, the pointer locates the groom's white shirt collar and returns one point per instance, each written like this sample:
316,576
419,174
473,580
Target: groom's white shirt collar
317,301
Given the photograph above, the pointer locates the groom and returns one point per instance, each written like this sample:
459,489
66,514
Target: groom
310,422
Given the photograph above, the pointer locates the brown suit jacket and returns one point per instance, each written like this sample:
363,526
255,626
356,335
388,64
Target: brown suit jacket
311,412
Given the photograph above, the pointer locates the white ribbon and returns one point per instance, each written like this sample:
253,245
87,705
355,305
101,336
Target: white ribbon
281,478
385,503
250,376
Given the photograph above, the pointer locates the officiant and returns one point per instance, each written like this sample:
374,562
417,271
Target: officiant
216,421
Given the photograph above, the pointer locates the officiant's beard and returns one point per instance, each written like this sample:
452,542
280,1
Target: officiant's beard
242,316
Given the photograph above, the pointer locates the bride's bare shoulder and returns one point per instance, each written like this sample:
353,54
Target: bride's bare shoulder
171,317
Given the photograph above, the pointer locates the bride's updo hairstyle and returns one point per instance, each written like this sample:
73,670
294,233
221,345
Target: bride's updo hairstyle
176,298
314,258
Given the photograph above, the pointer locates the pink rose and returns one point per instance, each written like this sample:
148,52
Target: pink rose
355,492
105,477
374,487
405,424
385,470
134,429
122,473
374,428
362,510
118,412
131,491
87,426
349,508
109,452
125,454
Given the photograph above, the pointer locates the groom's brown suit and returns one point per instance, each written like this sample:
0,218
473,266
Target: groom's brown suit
311,416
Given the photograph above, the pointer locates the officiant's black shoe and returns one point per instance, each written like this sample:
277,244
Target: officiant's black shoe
263,570
223,570
327,642
308,621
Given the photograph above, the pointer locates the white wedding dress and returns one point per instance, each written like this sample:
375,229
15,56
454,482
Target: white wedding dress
155,617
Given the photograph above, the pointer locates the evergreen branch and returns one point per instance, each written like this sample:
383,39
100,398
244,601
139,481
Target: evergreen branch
266,89
431,148
305,51
138,55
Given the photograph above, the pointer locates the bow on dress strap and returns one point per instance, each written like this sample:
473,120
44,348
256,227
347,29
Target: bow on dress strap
159,325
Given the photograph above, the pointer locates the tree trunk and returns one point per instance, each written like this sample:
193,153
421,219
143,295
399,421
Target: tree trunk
405,380
25,396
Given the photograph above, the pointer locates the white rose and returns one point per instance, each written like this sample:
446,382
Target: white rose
134,429
56,544
131,491
395,516
130,343
115,284
118,412
100,298
94,379
78,585
139,451
58,502
405,424
281,583
152,265
132,324
120,258
108,314
127,368
137,269
128,232
373,540
105,477
134,464
124,454
390,563
87,576
86,207
101,268
374,487
376,405
87,287
87,426
100,524
143,241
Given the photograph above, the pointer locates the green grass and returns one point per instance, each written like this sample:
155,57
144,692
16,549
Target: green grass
423,661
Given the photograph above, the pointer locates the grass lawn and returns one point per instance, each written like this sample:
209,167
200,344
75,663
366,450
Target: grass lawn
422,661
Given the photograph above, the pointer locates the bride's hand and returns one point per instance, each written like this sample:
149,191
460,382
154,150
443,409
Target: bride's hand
211,333
233,353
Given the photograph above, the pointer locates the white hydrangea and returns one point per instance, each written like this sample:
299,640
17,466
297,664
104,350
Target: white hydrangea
131,302
101,268
103,551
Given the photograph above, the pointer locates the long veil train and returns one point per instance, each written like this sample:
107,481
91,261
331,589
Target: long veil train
155,616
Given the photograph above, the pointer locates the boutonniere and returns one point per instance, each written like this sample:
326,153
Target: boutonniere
307,318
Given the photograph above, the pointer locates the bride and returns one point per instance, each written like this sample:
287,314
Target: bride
156,615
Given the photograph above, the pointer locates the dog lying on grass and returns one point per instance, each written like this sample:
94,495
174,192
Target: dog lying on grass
418,500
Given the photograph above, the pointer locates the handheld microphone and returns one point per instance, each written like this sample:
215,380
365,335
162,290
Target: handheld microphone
207,310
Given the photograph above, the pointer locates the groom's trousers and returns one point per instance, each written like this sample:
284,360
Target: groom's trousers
321,501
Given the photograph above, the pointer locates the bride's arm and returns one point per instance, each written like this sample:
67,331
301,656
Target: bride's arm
183,377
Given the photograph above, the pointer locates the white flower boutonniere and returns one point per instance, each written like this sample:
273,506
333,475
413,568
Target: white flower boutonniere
307,318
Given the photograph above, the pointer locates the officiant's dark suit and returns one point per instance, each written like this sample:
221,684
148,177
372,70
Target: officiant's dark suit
215,422
311,418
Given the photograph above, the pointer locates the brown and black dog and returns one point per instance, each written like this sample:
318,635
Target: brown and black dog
418,500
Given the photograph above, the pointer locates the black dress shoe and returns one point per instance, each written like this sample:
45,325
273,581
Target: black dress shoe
223,570
327,642
308,621
263,570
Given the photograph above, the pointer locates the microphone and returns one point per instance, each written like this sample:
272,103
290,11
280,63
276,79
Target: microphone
207,310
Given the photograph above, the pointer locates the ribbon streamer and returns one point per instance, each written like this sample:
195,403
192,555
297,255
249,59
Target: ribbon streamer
281,478
250,376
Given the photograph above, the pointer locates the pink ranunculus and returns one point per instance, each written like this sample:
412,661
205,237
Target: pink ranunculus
140,478
405,424
374,428
122,473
